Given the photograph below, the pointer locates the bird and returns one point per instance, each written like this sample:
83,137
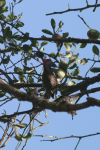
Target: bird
49,79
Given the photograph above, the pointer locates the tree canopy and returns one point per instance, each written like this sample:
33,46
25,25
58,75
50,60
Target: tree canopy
21,68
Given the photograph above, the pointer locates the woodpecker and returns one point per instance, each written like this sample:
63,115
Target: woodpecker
49,79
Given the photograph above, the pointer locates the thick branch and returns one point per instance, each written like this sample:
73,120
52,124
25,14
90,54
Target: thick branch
81,86
45,103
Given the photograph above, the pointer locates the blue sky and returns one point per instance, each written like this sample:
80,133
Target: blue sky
61,124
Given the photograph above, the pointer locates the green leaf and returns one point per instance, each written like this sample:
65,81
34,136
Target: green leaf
18,70
44,43
39,54
26,59
7,32
11,17
23,125
16,50
35,43
75,72
74,44
27,68
30,80
52,54
2,17
2,3
83,61
26,35
47,32
63,65
26,47
95,50
3,9
18,136
39,79
22,77
95,69
66,44
6,61
73,66
53,24
12,44
28,136
18,37
19,24
1,39
65,34
60,24
73,58
2,94
83,45
4,120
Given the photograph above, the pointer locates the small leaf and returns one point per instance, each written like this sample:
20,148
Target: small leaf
65,34
6,60
95,69
20,125
52,54
26,47
26,35
73,43
73,66
44,43
11,17
73,58
83,61
95,50
3,9
67,46
39,54
28,136
18,70
35,43
2,17
47,32
1,39
18,136
4,120
2,94
70,83
75,72
27,68
7,32
12,44
53,24
2,3
83,45
60,24
19,24
18,37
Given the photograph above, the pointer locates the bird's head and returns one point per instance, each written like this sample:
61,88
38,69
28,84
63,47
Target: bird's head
46,60
47,64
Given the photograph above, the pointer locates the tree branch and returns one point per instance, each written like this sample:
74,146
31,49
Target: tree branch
61,12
